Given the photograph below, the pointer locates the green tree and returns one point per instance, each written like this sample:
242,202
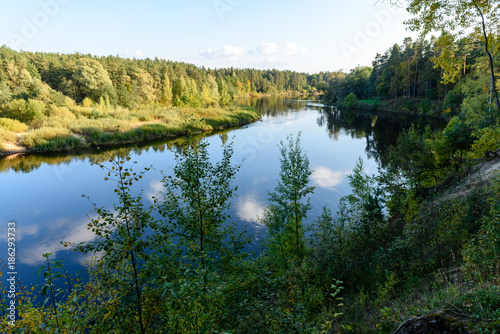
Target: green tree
225,97
290,202
196,199
450,16
166,90
350,101
24,111
180,93
120,238
92,80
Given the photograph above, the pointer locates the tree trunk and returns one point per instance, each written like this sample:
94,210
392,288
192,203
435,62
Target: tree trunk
486,48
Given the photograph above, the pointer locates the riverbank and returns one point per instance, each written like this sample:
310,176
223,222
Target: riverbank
77,128
403,105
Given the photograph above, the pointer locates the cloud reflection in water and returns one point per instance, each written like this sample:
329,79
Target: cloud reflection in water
326,178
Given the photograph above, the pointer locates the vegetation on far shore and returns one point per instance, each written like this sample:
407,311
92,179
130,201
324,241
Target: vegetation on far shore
51,102
73,128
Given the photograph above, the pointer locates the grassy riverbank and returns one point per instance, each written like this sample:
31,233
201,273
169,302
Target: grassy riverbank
76,127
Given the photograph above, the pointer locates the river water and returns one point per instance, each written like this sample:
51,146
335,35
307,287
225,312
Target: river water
43,194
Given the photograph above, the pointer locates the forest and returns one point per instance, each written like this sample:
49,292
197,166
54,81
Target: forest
414,249
59,102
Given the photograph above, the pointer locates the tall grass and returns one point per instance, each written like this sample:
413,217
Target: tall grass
86,126
50,139
12,125
61,127
7,136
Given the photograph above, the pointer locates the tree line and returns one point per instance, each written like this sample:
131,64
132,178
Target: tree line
449,71
132,83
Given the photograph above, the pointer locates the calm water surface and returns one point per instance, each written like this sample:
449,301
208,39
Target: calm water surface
43,195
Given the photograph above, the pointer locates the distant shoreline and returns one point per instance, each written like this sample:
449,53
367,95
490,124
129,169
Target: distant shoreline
142,132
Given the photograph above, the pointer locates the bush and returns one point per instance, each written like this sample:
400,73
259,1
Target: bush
66,143
453,101
51,122
481,260
87,102
24,111
88,126
424,106
81,111
41,136
7,136
488,140
62,112
12,125
350,101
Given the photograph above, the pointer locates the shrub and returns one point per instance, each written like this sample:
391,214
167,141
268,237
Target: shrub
7,136
453,100
62,112
424,106
87,102
51,122
66,143
41,136
24,111
350,101
81,111
488,140
89,126
12,125
152,131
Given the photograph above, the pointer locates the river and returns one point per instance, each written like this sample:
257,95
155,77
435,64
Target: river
43,194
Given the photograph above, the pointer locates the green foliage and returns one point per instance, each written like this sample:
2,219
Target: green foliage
5,93
24,111
7,136
12,125
488,139
482,254
424,106
120,236
284,217
412,161
40,136
453,101
350,101
91,80
196,199
457,136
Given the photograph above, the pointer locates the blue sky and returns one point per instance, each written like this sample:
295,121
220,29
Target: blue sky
309,36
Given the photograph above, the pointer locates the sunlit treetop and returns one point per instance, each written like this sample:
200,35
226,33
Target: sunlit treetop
439,15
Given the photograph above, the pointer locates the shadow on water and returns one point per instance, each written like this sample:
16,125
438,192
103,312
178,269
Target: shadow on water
26,163
381,130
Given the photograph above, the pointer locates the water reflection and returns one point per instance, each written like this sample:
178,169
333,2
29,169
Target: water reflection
249,208
326,178
62,229
379,129
43,193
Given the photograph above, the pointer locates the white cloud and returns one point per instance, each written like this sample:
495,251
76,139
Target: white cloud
249,209
138,53
230,52
155,187
74,232
327,178
27,231
269,48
